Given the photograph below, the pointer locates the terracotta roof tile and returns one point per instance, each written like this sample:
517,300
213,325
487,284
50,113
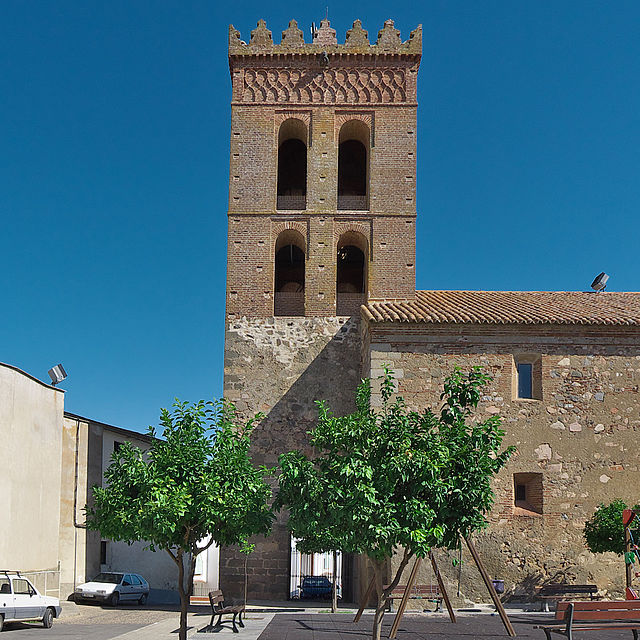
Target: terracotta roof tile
510,307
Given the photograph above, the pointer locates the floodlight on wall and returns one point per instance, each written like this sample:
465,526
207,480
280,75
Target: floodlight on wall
600,282
57,374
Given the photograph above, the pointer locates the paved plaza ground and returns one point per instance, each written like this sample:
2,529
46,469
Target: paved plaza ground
415,627
271,623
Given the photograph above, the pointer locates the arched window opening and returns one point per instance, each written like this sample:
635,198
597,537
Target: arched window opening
351,272
292,165
353,166
289,275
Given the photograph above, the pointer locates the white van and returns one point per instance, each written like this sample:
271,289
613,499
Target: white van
20,600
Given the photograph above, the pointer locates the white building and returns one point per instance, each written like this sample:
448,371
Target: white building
51,461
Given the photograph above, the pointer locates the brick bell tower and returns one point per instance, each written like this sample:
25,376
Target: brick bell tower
321,220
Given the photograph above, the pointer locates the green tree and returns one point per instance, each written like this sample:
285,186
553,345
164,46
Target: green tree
604,531
194,483
393,479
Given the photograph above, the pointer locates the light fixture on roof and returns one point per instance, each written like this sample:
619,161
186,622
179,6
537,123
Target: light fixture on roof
57,374
600,282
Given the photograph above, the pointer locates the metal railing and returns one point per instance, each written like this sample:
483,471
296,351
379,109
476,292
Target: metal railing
348,304
297,203
46,582
353,203
288,303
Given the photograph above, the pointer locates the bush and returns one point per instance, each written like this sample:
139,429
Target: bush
605,531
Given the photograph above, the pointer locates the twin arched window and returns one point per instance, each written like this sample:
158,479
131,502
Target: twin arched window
353,165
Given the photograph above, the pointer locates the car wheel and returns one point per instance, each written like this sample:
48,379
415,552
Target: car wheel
47,619
1,622
113,600
143,598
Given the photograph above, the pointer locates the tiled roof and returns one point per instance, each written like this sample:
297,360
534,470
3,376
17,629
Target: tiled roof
511,307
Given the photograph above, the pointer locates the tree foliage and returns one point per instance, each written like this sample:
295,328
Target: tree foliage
604,531
195,486
394,478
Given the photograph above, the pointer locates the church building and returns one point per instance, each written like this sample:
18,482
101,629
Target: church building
321,293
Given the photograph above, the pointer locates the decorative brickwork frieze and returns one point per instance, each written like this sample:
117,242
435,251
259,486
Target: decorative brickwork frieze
329,86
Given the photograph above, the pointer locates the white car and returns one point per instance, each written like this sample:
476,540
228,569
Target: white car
20,600
114,587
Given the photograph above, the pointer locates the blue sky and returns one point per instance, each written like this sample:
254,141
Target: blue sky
114,142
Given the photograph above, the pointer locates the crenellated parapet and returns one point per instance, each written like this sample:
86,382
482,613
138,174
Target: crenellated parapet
325,41
324,71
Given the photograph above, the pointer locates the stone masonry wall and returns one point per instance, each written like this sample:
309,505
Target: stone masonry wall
281,366
581,436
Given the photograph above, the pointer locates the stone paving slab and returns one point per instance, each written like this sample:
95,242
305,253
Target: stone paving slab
415,627
255,623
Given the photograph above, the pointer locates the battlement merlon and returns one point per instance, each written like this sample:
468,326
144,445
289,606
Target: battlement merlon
324,41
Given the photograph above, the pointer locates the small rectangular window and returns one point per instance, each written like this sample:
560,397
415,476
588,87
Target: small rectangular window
116,446
527,376
103,552
527,493
525,380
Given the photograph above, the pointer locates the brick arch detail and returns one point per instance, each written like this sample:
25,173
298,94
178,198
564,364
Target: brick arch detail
278,227
363,228
282,116
346,116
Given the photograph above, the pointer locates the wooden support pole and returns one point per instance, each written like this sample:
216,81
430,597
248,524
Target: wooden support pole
627,548
443,591
492,592
334,584
405,599
366,597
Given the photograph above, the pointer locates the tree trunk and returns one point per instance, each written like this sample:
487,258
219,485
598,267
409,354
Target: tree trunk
378,567
184,591
377,619
184,602
246,579
382,595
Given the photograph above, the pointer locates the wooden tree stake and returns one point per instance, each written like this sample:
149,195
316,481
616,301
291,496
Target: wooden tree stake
443,591
405,599
492,592
366,597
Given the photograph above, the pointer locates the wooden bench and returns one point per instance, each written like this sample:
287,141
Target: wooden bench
559,591
216,600
430,593
601,615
